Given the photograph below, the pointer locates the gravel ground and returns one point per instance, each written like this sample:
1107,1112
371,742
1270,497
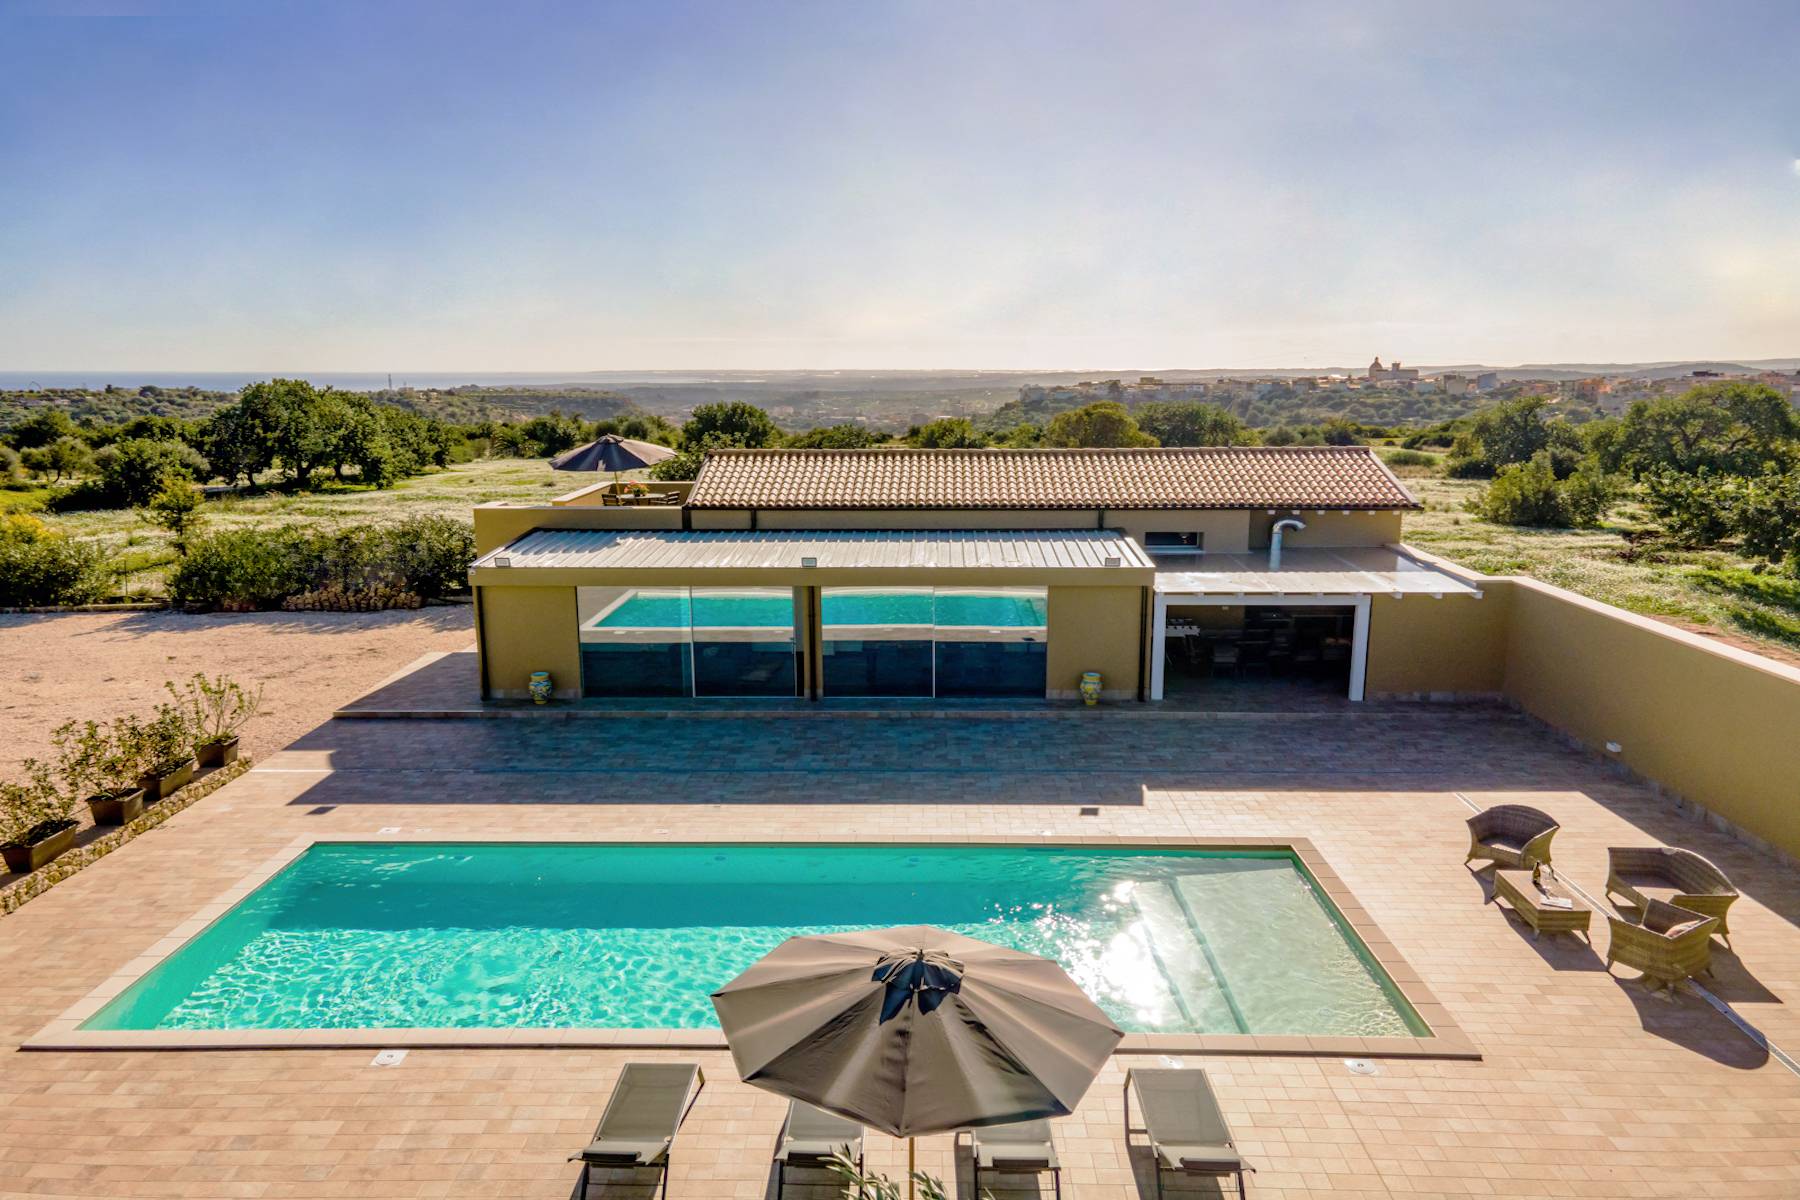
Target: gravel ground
80,666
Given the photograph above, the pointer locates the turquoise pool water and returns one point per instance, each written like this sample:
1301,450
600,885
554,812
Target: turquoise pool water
607,936
663,610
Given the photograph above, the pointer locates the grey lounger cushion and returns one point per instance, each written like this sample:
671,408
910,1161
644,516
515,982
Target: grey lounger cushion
1021,1146
641,1118
1184,1122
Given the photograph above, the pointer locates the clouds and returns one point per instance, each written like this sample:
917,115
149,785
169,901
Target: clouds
683,185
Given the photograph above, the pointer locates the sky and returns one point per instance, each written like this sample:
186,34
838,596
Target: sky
1043,185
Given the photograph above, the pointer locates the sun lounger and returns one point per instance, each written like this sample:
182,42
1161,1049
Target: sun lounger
1024,1147
809,1139
1186,1129
638,1128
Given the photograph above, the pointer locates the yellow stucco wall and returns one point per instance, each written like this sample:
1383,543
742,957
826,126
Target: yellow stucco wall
1094,629
526,629
1419,645
1719,727
498,524
1328,528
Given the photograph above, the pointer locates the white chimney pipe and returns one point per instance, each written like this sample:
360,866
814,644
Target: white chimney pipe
1275,539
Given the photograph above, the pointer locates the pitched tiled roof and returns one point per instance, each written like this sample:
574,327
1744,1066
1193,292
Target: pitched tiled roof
1203,477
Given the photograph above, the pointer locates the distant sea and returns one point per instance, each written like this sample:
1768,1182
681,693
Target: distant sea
231,381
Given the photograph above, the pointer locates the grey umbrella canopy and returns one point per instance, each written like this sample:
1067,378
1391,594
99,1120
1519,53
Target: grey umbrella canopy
612,453
915,1030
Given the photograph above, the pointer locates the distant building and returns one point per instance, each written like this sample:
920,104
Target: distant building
1487,381
1393,374
1455,385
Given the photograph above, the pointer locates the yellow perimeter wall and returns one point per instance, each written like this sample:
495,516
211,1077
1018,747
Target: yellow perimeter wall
1716,725
1423,647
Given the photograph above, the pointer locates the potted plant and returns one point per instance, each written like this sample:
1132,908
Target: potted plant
216,710
35,825
168,753
100,769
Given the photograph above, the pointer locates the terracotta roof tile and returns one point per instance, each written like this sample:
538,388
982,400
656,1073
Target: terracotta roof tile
1343,477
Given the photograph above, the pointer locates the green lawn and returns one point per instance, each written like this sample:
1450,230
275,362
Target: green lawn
1598,563
143,551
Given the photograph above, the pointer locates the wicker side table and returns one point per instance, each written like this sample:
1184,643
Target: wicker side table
1527,899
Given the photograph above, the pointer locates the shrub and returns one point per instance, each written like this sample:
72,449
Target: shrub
168,738
216,708
177,508
9,465
133,471
1408,458
1105,423
362,569
432,553
243,570
1530,494
41,566
947,433
93,761
847,436
1696,510
35,809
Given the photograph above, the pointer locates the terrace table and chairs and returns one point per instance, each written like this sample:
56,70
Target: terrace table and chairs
1511,835
1669,945
1643,874
1542,902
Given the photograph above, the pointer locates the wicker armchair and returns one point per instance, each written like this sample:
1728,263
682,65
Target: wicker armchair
1513,835
1680,877
1671,945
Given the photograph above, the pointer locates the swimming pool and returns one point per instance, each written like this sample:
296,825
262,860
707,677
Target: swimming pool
839,606
506,935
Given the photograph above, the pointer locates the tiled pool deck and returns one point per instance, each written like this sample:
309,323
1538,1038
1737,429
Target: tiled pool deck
1588,1086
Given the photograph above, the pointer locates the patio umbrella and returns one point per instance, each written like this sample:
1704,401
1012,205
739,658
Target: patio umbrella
612,453
915,1030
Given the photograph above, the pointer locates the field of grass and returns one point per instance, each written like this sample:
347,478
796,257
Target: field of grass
143,551
1598,563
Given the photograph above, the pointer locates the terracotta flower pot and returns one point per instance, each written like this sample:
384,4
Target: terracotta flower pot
160,785
33,855
219,754
117,810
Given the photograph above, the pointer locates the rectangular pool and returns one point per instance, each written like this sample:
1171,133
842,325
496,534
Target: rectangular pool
484,935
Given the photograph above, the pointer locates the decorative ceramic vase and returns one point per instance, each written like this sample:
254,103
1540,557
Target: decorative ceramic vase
540,687
1090,688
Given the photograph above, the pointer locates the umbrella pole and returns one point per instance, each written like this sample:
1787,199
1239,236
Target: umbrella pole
912,1164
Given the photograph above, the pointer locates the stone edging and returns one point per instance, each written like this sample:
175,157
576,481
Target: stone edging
43,879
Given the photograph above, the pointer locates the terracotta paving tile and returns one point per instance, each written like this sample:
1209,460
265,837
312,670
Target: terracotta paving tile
1588,1087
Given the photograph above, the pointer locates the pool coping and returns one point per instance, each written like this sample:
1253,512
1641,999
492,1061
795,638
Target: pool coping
1448,1040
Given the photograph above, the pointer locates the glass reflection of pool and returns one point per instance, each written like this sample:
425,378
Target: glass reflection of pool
610,936
665,610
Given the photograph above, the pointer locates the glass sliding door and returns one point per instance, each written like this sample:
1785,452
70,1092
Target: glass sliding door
990,641
743,641
634,642
876,641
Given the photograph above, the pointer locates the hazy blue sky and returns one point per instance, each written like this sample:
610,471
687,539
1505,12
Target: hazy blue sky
396,186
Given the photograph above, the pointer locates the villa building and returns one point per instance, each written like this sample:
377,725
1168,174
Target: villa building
822,574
